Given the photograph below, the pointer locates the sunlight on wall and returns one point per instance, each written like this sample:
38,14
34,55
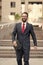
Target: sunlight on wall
23,8
11,17
35,11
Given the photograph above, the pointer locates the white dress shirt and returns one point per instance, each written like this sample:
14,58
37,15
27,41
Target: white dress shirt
24,24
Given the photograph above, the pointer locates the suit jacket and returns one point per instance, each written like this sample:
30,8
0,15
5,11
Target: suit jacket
24,38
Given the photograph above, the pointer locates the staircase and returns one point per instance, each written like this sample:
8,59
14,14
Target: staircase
6,47
7,50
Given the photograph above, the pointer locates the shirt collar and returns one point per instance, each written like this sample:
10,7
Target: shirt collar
24,23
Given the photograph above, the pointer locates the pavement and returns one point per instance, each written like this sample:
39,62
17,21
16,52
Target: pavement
12,61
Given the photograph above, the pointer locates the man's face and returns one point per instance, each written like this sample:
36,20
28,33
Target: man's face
24,17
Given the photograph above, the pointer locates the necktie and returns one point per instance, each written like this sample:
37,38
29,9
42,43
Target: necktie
23,28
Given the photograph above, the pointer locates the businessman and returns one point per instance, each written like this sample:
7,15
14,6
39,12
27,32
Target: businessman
23,31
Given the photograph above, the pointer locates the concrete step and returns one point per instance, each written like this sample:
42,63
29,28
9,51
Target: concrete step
39,43
9,43
11,49
38,37
7,52
14,55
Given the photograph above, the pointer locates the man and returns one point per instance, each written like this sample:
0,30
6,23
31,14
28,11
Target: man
23,31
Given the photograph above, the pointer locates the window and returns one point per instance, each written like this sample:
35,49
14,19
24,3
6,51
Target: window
11,16
0,17
35,2
12,13
13,4
22,2
0,0
0,7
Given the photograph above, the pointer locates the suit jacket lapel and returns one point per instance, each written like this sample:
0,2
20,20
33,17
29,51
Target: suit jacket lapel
20,27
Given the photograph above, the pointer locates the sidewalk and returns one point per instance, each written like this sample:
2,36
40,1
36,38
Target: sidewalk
12,61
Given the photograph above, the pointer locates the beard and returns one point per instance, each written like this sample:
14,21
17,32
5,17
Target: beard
24,20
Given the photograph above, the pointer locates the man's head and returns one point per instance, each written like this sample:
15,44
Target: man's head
24,16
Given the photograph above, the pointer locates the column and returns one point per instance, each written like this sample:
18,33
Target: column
26,5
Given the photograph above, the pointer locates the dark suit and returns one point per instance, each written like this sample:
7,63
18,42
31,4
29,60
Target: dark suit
24,39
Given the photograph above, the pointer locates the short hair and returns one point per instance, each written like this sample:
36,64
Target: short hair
25,13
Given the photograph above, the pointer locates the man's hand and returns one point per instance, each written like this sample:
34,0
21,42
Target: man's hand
15,44
35,47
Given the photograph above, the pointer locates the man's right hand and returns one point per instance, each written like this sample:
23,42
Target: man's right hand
15,44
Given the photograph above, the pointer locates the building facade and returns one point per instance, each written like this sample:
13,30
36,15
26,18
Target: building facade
0,9
8,8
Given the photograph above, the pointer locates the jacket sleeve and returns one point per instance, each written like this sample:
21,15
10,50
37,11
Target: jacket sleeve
33,36
14,33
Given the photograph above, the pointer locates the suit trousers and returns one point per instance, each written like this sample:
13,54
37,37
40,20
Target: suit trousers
22,53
